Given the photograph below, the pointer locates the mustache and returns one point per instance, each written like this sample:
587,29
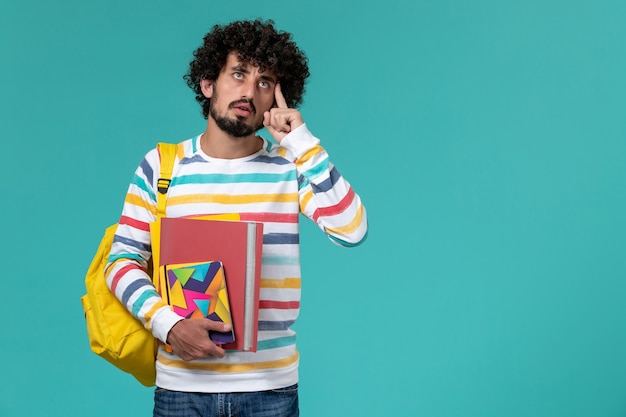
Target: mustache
243,101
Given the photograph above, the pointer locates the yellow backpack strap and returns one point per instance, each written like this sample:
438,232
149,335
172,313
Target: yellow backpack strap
167,152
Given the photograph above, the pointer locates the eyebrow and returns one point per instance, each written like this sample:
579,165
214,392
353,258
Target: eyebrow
244,69
241,68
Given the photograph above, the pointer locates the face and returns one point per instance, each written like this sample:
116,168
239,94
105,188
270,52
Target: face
239,97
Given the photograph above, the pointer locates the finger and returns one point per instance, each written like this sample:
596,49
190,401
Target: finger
218,326
266,119
281,103
213,350
282,125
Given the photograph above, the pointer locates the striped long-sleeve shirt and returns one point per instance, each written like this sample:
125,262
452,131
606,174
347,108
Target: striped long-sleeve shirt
272,186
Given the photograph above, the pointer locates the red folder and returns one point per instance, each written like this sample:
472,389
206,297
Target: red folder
238,246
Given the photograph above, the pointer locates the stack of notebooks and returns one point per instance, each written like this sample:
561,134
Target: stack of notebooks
212,268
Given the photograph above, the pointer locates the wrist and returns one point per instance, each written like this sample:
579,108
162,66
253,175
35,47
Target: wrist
162,323
300,140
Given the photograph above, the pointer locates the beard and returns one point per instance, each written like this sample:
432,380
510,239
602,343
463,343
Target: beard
236,127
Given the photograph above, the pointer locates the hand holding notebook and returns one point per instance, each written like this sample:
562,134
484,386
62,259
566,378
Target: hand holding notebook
188,339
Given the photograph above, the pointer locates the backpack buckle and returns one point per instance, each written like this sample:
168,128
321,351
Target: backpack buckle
162,185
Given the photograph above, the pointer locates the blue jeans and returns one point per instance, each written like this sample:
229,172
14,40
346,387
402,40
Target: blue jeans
281,402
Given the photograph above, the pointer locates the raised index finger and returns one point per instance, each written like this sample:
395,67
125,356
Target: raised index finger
281,103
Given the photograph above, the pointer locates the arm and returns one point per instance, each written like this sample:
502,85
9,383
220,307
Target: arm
325,196
127,277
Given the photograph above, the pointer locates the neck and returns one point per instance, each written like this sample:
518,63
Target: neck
218,144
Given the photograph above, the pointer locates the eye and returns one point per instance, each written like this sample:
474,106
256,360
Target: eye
238,76
264,84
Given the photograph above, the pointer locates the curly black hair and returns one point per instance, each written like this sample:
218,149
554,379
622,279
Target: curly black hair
257,43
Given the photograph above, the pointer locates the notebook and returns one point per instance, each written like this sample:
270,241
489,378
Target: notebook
197,290
238,245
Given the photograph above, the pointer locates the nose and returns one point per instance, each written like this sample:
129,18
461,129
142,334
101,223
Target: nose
248,88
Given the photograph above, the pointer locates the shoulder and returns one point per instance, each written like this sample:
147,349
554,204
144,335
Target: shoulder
184,149
151,162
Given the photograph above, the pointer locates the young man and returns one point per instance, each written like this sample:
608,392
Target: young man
246,75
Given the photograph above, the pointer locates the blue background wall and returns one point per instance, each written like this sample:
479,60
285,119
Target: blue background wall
487,139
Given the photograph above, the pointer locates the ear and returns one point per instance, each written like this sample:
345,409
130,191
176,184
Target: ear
207,88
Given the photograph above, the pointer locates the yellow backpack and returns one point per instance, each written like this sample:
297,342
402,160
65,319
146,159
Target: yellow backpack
114,333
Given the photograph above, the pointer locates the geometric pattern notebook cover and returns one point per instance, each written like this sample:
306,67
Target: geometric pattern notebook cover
196,290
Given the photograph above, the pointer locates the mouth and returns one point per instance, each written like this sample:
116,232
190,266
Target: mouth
243,108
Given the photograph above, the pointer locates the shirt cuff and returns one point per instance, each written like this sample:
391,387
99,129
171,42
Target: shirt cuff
299,141
163,321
